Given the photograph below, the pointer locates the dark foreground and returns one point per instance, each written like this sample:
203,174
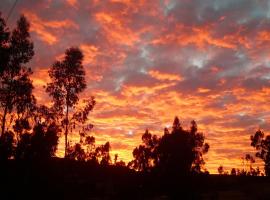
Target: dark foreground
62,179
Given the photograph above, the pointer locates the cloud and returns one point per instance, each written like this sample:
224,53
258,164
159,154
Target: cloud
73,3
44,28
89,52
164,76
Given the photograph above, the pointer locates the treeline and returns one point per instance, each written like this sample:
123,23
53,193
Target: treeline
261,143
31,132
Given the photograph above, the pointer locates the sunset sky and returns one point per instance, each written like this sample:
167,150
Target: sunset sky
147,61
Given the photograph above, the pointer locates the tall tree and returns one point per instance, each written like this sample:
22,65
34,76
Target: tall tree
181,151
15,84
199,148
4,39
67,82
262,145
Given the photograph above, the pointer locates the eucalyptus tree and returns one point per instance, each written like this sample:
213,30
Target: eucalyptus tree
16,50
67,82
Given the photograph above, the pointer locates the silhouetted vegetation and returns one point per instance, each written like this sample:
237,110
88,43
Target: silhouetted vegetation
68,80
177,152
87,151
262,144
33,130
16,98
40,144
246,170
15,84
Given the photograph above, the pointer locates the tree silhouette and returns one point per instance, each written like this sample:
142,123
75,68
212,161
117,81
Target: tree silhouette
15,84
199,148
44,140
23,149
103,154
21,126
141,156
76,152
233,172
221,170
86,150
6,145
247,168
120,163
4,40
247,162
179,152
145,154
40,144
262,144
67,81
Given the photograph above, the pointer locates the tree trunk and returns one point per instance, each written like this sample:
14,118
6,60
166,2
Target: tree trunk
66,132
4,121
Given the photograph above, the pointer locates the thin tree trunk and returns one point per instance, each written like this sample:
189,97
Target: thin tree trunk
4,121
66,132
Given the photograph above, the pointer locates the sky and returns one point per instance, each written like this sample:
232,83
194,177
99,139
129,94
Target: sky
148,61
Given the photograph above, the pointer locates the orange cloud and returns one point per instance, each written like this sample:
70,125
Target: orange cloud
263,36
116,30
42,27
142,90
203,90
40,78
89,52
73,3
164,76
199,36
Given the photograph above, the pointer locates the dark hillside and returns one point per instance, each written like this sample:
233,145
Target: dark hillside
65,179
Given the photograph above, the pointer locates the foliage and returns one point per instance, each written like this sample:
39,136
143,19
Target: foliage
145,154
221,170
6,145
103,153
40,144
86,150
67,81
248,169
120,163
178,152
15,84
4,47
262,144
